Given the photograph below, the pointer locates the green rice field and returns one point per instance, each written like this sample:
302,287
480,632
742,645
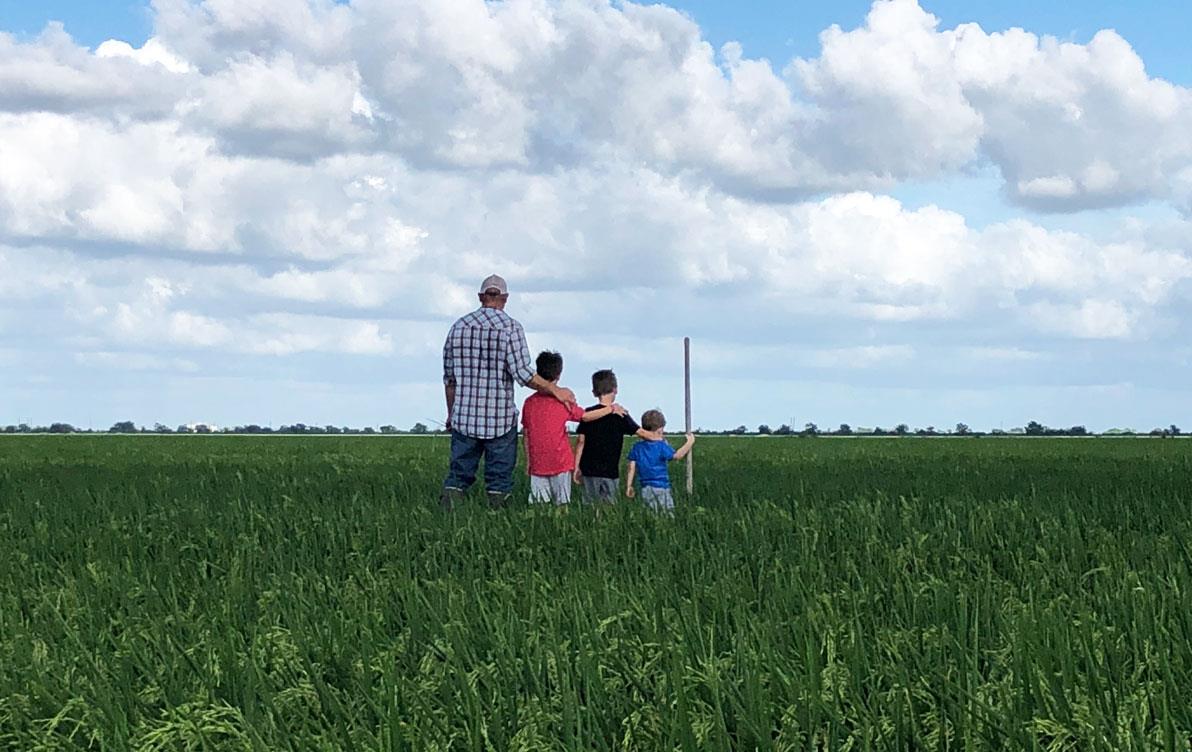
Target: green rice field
240,593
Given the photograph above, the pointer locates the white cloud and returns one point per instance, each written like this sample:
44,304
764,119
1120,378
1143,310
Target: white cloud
538,84
857,256
541,86
282,107
1090,319
1070,125
362,281
154,185
286,334
888,98
1053,187
150,318
203,32
25,276
865,356
1001,354
72,177
135,361
153,52
53,74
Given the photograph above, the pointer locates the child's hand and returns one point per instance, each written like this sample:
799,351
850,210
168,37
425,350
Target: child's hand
630,492
577,477
690,438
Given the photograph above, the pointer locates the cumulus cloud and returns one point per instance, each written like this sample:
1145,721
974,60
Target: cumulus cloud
152,53
150,318
887,96
160,187
287,334
1070,125
53,74
282,107
204,32
1092,319
540,86
70,177
855,256
134,361
534,85
1001,354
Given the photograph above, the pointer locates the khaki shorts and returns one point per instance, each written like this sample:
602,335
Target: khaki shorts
545,489
658,499
600,489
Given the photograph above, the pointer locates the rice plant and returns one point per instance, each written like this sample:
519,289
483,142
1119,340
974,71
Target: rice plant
238,593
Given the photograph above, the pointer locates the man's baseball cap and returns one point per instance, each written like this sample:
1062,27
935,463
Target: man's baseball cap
494,283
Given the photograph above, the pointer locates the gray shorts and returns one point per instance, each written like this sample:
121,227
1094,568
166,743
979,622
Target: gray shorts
600,489
658,499
545,489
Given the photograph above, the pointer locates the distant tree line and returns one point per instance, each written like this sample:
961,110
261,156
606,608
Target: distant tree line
1033,428
129,427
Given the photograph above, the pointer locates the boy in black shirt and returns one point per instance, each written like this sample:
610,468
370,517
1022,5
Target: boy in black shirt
598,451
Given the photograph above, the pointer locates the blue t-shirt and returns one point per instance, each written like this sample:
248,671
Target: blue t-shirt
651,458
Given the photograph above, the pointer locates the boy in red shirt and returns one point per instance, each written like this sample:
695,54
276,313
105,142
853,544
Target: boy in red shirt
548,449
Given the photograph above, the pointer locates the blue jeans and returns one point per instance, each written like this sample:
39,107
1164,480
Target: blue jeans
500,455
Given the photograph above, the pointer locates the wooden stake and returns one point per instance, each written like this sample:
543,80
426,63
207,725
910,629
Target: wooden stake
687,399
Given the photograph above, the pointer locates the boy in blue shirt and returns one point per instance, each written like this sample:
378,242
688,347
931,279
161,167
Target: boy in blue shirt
648,459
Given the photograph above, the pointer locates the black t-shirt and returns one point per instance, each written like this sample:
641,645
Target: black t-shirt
603,444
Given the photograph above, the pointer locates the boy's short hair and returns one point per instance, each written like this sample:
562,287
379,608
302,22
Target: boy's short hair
652,420
549,365
603,382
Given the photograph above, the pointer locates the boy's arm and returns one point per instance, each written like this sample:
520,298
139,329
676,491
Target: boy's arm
526,445
579,452
684,450
601,412
629,492
596,414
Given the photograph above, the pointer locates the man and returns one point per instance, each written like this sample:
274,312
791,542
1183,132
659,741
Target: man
485,353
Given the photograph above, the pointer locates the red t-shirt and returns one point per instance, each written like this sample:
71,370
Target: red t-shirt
547,443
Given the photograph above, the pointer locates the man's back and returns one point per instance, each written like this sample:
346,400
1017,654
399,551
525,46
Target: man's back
484,354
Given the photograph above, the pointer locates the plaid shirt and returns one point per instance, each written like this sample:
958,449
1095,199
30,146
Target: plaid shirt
485,353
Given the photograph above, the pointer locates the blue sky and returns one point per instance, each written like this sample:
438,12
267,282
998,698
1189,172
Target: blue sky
89,22
269,211
776,30
781,30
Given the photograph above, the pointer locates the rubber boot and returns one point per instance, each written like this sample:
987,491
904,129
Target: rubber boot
451,498
498,500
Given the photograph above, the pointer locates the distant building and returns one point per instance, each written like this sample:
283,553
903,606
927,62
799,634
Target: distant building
201,428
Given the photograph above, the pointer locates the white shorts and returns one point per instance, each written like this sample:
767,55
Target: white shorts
658,499
547,488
